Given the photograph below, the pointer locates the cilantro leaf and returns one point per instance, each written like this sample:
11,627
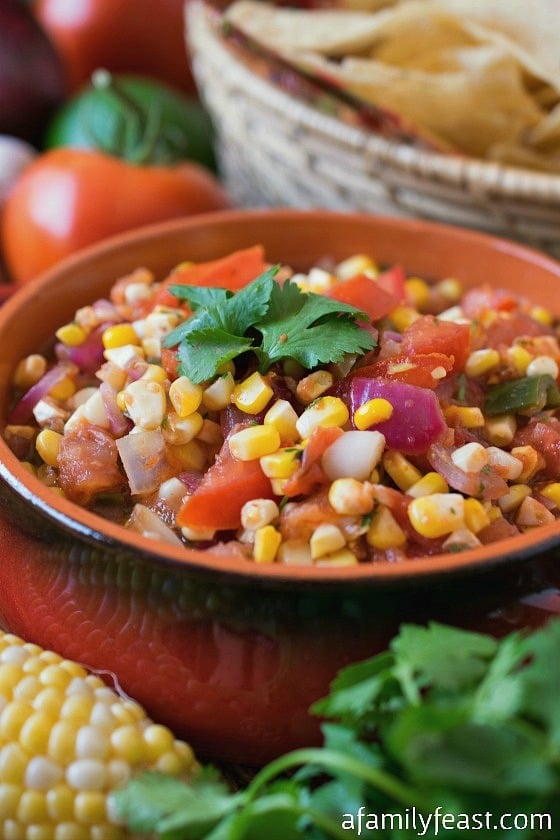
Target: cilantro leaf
275,321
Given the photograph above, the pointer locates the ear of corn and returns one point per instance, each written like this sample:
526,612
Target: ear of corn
67,740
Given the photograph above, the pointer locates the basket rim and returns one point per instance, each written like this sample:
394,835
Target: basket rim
483,178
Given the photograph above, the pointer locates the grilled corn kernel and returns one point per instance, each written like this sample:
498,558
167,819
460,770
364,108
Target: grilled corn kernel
542,315
281,464
403,316
146,403
217,395
210,433
506,465
481,362
350,497
313,386
450,288
326,411
475,514
320,281
63,390
60,781
372,412
436,515
460,540
282,415
511,500
468,416
267,543
532,461
254,442
154,373
185,396
384,531
258,512
543,365
471,457
417,292
29,371
430,483
198,534
47,444
178,430
552,492
403,473
354,265
118,336
325,539
500,429
342,557
253,394
72,335
519,357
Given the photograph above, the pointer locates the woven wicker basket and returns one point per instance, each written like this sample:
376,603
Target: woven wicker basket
275,150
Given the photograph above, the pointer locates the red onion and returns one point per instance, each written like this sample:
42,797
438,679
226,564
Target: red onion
144,461
119,425
22,412
416,421
486,484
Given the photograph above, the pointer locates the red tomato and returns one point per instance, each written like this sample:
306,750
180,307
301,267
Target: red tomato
70,198
393,281
226,486
231,272
544,436
427,335
415,370
136,36
365,294
310,474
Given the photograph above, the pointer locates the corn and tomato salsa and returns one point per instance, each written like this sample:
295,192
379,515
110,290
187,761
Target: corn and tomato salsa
440,437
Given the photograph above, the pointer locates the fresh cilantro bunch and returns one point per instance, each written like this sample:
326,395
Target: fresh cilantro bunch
274,321
444,718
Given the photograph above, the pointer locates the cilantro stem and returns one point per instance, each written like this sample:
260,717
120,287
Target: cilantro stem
332,759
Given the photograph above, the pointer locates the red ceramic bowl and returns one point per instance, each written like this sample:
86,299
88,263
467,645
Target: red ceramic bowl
229,654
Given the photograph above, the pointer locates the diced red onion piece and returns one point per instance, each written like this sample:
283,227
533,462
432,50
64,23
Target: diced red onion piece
486,484
143,458
118,424
191,479
22,412
89,354
416,421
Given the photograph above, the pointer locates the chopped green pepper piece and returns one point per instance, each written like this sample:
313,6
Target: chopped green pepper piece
527,395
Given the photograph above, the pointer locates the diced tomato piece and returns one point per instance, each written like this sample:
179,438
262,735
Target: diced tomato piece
430,335
170,362
231,272
300,520
365,294
226,486
414,370
310,475
483,299
544,436
393,281
88,464
504,330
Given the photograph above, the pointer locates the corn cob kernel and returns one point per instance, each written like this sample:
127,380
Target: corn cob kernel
325,539
468,416
281,464
384,531
471,457
356,264
450,288
532,461
267,543
190,456
119,335
326,411
500,429
29,371
430,483
476,515
372,412
543,365
253,394
254,442
154,373
342,557
258,512
533,514
542,315
417,292
58,762
72,335
552,492
185,396
519,357
403,316
437,515
481,362
47,445
400,469
511,500
311,387
350,497
282,415
218,394
460,539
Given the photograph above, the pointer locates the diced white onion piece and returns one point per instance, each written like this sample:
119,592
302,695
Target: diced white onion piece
354,454
144,521
143,458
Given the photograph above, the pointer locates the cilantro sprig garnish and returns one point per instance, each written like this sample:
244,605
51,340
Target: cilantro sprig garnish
272,320
445,719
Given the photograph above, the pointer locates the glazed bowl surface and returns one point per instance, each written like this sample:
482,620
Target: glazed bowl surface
232,654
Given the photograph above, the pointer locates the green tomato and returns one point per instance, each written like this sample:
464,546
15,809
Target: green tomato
134,118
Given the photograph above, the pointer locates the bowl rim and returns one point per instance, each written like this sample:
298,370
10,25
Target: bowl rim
84,524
